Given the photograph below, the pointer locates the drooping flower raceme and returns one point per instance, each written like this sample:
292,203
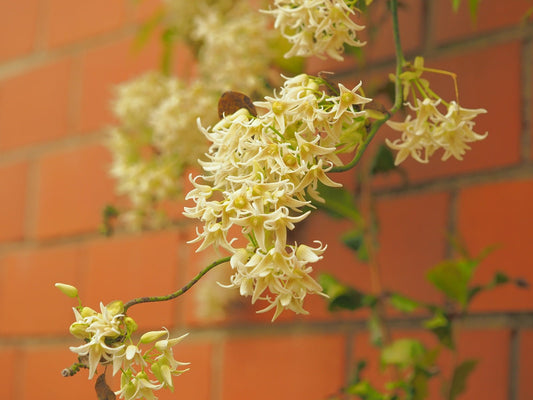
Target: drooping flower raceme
431,130
316,27
258,176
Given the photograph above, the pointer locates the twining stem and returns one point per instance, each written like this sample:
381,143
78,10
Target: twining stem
178,293
400,61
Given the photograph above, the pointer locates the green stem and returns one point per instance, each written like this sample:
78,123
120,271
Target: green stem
178,293
400,60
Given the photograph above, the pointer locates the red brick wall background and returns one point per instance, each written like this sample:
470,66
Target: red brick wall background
58,61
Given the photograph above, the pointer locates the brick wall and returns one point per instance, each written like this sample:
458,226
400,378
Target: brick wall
58,61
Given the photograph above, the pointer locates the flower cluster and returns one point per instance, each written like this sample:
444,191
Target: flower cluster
431,130
258,176
316,27
153,145
107,337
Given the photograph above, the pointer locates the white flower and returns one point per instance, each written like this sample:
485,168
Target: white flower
259,173
316,27
430,130
101,331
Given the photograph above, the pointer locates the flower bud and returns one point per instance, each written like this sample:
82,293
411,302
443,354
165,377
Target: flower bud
69,290
115,307
131,325
78,329
151,336
87,312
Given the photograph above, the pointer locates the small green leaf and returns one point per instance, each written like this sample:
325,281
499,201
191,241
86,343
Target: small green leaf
338,202
402,352
342,296
473,6
383,161
402,303
455,5
353,239
459,378
452,278
147,29
374,327
441,326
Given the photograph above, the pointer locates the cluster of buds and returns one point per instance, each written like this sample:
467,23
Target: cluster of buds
261,171
107,337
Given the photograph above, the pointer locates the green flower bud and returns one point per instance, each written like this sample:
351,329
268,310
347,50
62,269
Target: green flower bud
131,325
79,330
87,312
115,307
151,336
69,290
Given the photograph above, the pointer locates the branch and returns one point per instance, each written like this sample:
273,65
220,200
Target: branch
397,93
178,293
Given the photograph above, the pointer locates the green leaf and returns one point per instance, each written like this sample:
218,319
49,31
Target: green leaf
147,29
342,296
365,391
402,352
383,161
338,202
441,327
452,278
354,239
402,303
374,328
459,378
473,6
455,5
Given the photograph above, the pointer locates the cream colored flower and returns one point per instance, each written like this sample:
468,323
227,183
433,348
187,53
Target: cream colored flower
258,174
431,130
316,27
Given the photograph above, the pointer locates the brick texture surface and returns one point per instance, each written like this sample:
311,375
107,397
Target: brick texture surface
262,366
13,189
73,188
18,22
34,106
59,61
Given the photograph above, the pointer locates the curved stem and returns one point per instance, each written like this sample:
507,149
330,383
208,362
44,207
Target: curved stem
178,293
400,60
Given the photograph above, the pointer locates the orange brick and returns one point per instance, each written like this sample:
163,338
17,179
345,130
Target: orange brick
30,305
195,383
42,375
490,378
34,106
284,367
13,182
18,22
492,15
74,187
130,267
525,383
499,214
69,22
8,372
476,71
104,67
412,239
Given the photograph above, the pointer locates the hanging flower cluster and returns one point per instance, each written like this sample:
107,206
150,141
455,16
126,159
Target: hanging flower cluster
258,176
316,27
153,145
106,333
431,130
